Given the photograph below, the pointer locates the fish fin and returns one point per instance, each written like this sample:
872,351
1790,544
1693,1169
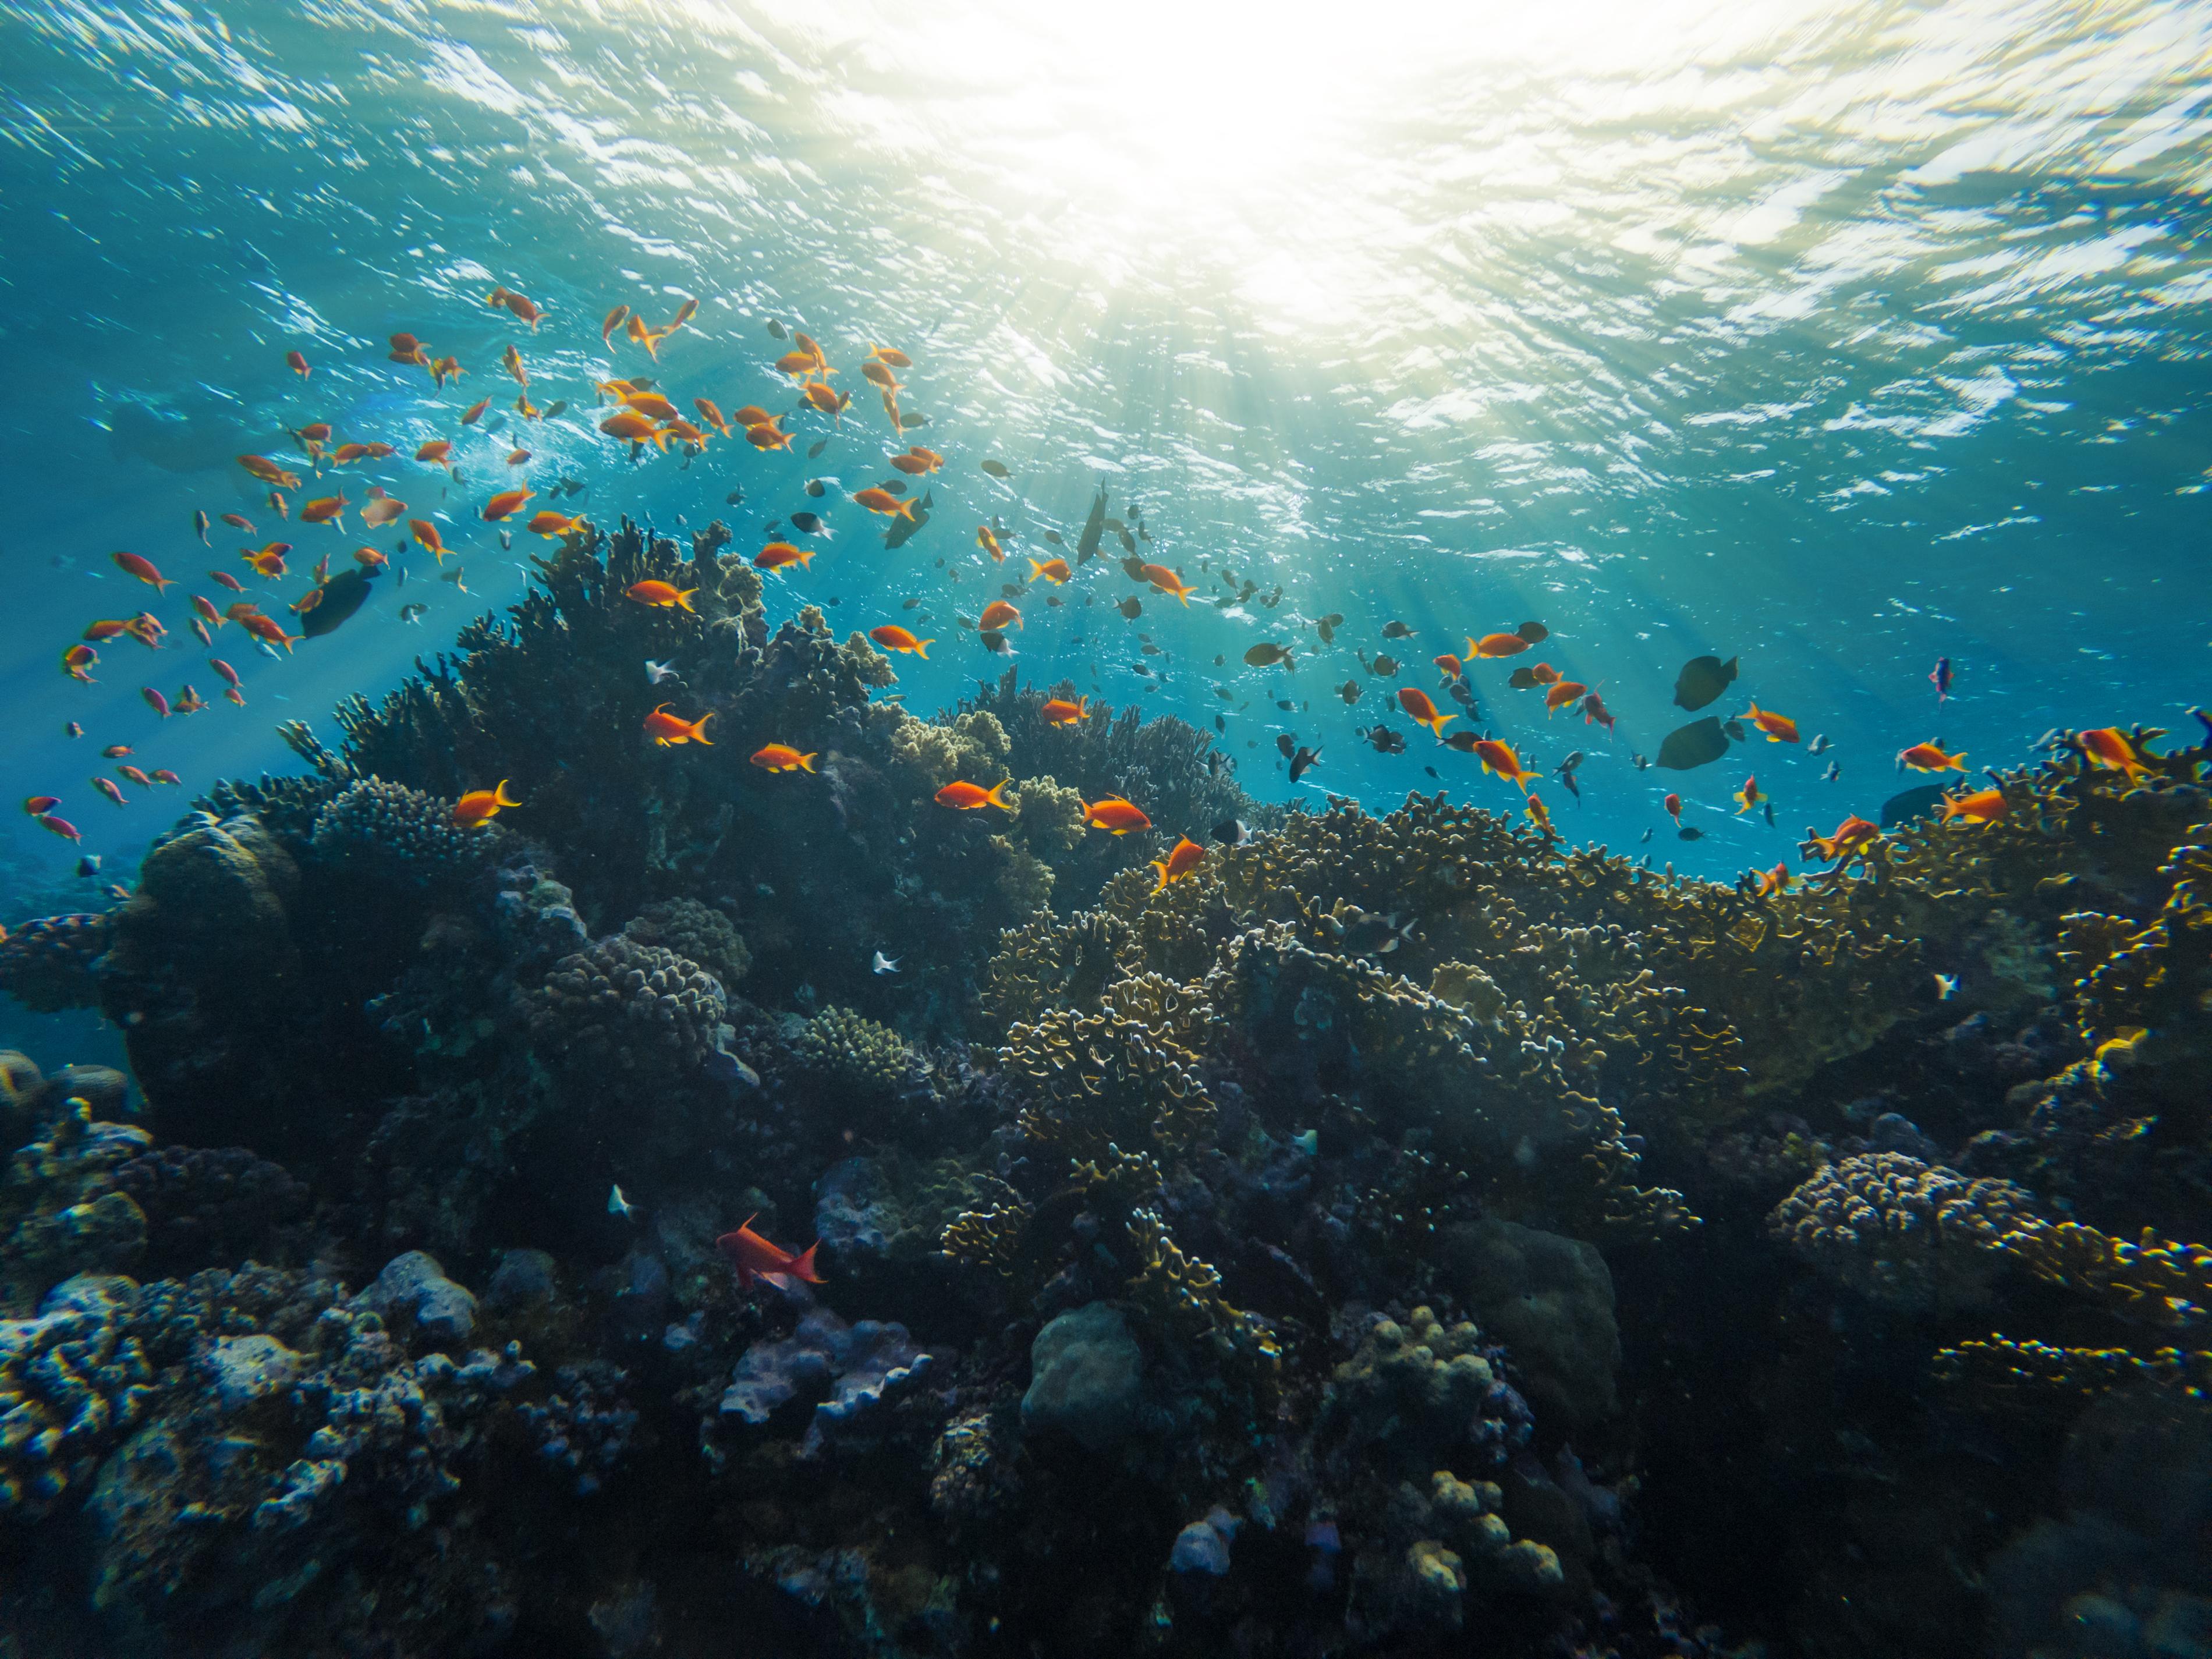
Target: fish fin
699,728
501,795
802,1268
922,650
805,762
1160,865
997,799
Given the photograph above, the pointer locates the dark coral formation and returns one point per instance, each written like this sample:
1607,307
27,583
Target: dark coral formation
1402,1235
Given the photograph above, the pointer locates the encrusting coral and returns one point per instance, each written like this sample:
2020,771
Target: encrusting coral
1240,1250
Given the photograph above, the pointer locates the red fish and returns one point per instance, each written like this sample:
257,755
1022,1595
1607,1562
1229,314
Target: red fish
297,363
1674,806
2109,748
135,775
781,757
661,596
227,580
505,505
1451,666
60,827
269,472
165,775
268,628
776,555
474,412
1169,581
436,453
99,633
1541,816
666,731
1851,834
1499,758
754,1257
1779,729
110,788
1187,857
1594,710
967,797
1930,758
326,509
155,700
1114,814
1416,704
131,565
1984,806
427,533
997,614
1058,711
892,637
481,805
39,806
990,543
1748,796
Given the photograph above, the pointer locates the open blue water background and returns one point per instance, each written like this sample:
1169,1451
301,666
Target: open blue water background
1835,343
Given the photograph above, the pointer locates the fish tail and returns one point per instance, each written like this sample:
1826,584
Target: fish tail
1161,865
684,598
501,795
802,1267
997,799
922,649
805,762
698,728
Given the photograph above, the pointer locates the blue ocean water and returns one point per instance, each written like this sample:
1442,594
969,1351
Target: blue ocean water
1835,343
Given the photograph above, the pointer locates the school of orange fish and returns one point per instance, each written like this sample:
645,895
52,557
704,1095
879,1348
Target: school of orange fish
642,414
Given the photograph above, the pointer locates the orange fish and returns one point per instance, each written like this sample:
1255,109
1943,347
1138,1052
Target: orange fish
1779,728
135,775
967,797
1748,797
666,731
163,774
883,502
1774,881
1416,704
628,423
2110,748
297,363
228,580
1541,816
644,336
998,614
116,751
1499,758
370,559
517,456
1114,814
1984,806
505,504
481,805
427,533
189,702
685,313
511,360
806,343
406,348
238,521
1674,806
1187,857
614,320
1565,695
752,415
766,434
1449,666
438,451
447,368
1544,674
1930,757
108,787
879,374
268,628
776,555
347,454
930,460
99,633
1058,711
270,561
516,304
651,403
277,506
1852,833
1169,581
890,355
308,601
661,596
892,637
1497,645
325,509
822,398
205,607
989,543
781,757
269,472
314,434
712,416
798,364
1053,570
131,565
382,510
550,524
474,412
754,1257
683,431
39,806
78,659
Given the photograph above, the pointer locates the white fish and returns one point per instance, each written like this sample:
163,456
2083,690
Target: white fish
616,1204
884,964
1947,986
1819,745
657,673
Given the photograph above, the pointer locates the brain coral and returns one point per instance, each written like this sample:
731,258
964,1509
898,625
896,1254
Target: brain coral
1914,1236
633,1007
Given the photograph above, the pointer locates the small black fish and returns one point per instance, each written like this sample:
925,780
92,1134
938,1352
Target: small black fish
905,529
1462,741
1130,607
910,419
893,486
769,529
343,595
995,640
1053,535
1702,679
505,541
1151,650
1573,788
1535,632
1697,744
1904,808
1133,568
1463,694
1094,528
816,488
1286,705
911,604
1430,771
1304,761
1770,814
1267,654
409,613
1385,667
88,865
809,523
733,498
1220,724
1231,832
1350,691
1835,771
1385,740
1285,744
1641,764
1521,679
1327,630
1224,693
1690,832
776,329
557,408
1396,630
1734,729
997,469
1647,836
814,450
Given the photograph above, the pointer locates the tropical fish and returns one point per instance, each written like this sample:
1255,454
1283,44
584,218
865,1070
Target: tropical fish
1674,806
516,303
481,805
1058,711
1052,570
997,614
877,500
381,509
505,505
1779,729
1930,757
1939,678
967,797
1541,816
135,775
1696,745
666,731
810,524
1982,807
1910,804
1492,646
297,363
2110,748
1851,834
1267,654
60,827
38,805
1114,815
1564,694
269,561
230,679
412,613
1186,856
765,434
131,565
77,659
1776,880
1703,679
550,524
756,1258
1303,760
1594,709
1500,758
1748,797
334,601
995,469
269,472
1416,704
892,637
1169,581
1449,666
474,412
884,964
